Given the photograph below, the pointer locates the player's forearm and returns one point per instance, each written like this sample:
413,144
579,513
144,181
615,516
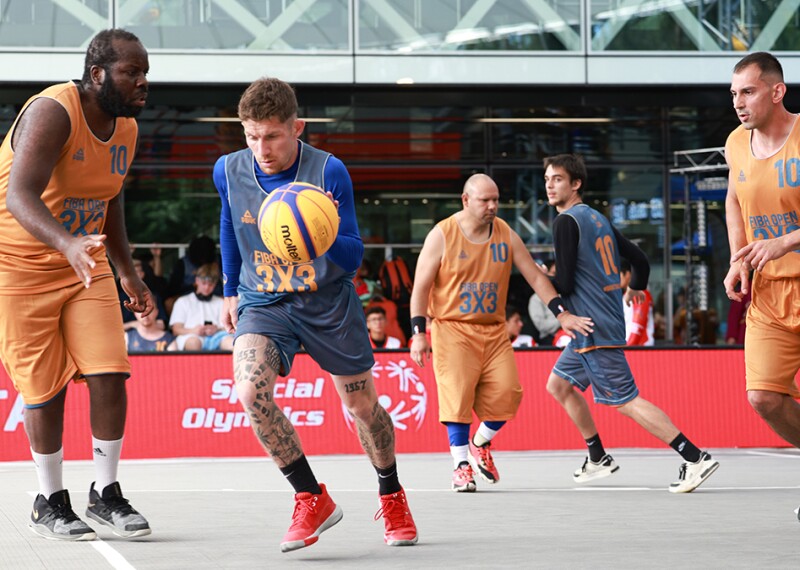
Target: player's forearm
117,246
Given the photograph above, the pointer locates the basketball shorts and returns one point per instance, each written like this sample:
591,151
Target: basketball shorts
329,324
772,336
606,370
50,338
475,370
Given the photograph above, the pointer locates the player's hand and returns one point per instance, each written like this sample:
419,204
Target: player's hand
140,300
420,349
79,254
230,314
739,273
573,324
633,296
335,202
756,254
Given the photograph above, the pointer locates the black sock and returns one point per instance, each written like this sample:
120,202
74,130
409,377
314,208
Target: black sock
301,477
686,448
596,451
388,482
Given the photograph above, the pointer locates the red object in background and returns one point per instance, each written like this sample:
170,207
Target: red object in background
185,406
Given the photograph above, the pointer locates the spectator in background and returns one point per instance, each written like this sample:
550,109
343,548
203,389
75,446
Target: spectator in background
514,327
390,310
639,321
366,286
195,319
376,325
146,335
737,319
202,251
543,319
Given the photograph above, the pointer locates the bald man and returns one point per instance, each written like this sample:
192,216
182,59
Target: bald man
461,282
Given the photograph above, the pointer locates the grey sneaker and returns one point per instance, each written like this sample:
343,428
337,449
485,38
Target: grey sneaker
114,511
692,475
54,518
591,471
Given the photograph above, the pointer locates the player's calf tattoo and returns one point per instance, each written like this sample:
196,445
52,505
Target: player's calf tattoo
377,436
258,366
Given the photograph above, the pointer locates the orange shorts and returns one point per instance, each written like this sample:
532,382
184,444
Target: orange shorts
50,338
772,336
475,370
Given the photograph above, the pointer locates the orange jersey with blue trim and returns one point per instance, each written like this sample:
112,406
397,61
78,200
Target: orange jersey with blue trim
768,190
88,174
472,282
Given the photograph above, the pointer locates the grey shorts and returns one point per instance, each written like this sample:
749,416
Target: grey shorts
606,370
329,324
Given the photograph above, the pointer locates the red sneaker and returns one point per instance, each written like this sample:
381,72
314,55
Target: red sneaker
312,515
463,479
400,527
481,459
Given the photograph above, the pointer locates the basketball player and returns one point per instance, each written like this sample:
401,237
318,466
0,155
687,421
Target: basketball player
588,250
762,209
62,165
274,307
461,281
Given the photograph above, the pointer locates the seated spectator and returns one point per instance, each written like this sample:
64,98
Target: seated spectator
128,318
365,284
195,319
514,327
639,321
147,336
202,251
542,318
153,276
376,325
390,310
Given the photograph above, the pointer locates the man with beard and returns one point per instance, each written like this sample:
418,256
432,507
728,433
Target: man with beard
195,318
62,166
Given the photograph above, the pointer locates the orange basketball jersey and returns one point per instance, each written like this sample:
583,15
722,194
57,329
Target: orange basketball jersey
88,174
472,282
768,190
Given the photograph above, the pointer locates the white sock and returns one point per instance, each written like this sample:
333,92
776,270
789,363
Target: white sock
459,453
106,461
484,435
49,471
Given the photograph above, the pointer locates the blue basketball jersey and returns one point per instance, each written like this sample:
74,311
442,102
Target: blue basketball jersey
264,278
597,291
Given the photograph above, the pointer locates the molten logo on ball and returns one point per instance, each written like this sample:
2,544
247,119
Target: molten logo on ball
298,222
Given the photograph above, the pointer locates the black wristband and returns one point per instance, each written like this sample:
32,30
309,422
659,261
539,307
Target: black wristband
418,325
556,305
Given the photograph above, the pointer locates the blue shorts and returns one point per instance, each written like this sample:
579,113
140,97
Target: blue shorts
212,342
605,369
329,324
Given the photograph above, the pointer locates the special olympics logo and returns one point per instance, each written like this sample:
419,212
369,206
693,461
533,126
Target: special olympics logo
400,392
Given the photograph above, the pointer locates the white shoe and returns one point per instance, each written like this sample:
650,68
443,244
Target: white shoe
692,475
591,471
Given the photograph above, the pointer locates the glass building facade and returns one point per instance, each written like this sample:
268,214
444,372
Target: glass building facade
415,96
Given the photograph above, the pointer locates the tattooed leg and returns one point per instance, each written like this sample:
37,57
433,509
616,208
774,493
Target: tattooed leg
375,428
256,364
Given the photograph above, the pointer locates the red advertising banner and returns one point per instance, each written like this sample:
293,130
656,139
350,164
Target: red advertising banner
186,406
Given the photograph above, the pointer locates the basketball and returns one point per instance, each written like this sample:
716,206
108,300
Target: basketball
298,222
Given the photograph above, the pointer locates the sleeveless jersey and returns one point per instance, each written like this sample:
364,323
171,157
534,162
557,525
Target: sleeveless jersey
597,291
264,278
88,174
472,282
137,343
768,190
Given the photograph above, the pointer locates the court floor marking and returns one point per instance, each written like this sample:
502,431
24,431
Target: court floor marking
117,560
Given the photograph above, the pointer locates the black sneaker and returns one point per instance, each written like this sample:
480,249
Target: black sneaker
113,510
54,518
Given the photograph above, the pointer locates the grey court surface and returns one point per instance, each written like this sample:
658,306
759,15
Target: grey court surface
233,513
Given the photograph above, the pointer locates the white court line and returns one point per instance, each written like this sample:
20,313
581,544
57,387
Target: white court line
783,455
113,557
447,491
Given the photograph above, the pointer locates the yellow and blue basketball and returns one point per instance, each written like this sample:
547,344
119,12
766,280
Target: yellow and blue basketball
298,222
